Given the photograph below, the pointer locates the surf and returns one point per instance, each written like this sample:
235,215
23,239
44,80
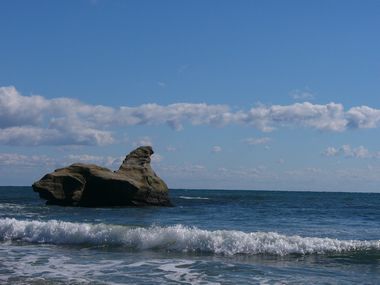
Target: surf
177,238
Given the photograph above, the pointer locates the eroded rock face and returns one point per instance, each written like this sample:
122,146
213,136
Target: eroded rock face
134,184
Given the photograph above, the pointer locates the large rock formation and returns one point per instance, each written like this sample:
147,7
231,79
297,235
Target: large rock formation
134,184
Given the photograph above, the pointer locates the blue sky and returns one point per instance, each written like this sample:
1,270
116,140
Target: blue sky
278,95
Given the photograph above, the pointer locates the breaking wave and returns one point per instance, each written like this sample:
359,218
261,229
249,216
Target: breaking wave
174,238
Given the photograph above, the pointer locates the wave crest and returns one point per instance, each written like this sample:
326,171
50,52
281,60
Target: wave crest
174,238
193,198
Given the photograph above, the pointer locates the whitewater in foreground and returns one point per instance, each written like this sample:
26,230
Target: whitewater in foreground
210,237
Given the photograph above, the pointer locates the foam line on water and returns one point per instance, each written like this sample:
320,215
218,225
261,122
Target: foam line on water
174,238
193,198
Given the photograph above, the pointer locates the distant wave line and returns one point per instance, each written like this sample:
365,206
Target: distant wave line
193,198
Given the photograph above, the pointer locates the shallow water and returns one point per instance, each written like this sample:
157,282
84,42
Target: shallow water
210,237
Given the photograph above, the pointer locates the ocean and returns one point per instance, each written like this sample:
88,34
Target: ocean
209,237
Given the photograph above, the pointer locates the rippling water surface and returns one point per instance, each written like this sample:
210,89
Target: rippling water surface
210,237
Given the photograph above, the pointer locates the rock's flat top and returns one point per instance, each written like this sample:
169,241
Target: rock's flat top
134,184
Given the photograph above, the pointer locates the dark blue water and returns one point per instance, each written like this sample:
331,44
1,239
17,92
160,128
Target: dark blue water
210,237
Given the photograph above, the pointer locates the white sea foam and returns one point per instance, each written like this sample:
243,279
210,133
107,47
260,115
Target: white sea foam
193,198
25,266
174,238
180,272
177,270
11,206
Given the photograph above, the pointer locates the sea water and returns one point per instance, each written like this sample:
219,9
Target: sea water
209,237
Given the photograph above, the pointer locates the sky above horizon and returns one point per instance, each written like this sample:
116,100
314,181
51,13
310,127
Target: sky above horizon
261,95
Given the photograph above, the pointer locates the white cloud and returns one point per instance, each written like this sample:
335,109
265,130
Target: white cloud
257,141
15,160
330,151
183,170
28,135
67,135
249,172
363,117
183,68
216,148
161,84
349,151
108,161
18,110
329,117
171,148
144,141
20,160
157,158
359,152
300,95
173,115
307,172
35,120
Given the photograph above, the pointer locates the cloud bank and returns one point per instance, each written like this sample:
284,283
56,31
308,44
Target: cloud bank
36,120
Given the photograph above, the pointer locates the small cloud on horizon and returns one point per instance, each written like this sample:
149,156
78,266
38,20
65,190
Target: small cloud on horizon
157,158
170,148
302,95
183,68
216,148
144,141
349,151
161,84
257,141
